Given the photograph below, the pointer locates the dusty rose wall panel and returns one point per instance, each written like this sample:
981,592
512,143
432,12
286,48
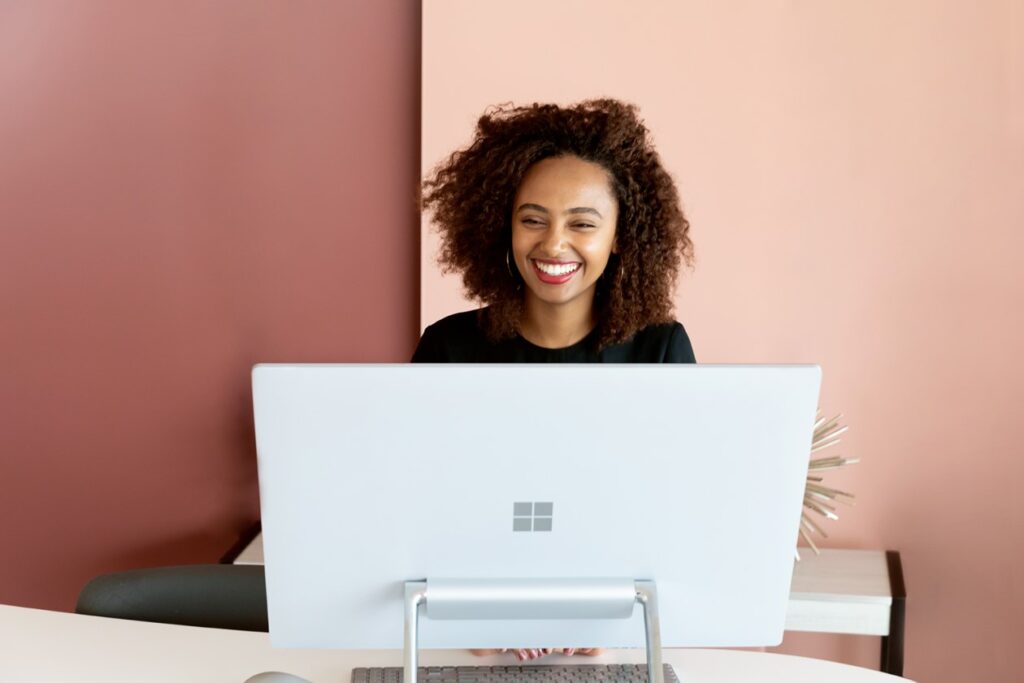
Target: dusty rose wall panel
186,188
854,175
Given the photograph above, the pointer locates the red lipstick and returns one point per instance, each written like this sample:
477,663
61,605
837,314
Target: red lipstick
554,279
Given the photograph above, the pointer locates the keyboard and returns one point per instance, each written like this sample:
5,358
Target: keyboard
541,673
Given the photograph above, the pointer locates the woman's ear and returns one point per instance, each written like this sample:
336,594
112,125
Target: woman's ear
615,245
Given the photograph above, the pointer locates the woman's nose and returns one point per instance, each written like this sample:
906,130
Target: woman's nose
554,241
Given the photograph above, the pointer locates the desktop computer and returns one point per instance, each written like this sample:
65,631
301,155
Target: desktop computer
518,506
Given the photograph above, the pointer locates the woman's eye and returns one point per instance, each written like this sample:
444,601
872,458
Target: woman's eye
584,225
531,221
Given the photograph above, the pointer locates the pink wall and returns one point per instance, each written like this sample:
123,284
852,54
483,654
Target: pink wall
854,173
186,188
190,187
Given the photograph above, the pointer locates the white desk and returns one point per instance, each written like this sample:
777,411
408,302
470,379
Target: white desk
38,645
856,592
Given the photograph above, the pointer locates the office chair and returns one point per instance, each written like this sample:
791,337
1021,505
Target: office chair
211,595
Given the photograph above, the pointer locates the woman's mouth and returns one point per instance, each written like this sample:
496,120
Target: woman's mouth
551,273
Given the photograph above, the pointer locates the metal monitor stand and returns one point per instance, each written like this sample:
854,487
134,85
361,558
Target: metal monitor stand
531,599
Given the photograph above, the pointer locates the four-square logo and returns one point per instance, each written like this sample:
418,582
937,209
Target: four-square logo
532,516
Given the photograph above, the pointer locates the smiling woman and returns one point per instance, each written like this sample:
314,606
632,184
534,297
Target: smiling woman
564,224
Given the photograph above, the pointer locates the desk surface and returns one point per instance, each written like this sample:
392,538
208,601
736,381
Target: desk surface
44,646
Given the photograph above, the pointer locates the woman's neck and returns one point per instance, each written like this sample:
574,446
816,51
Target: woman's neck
556,326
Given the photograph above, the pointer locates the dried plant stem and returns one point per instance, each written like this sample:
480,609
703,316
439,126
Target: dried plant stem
821,426
811,525
810,542
819,498
834,494
823,444
819,509
831,463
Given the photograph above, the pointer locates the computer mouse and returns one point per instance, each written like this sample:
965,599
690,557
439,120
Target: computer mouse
275,677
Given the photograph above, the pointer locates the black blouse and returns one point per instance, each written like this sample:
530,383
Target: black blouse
459,338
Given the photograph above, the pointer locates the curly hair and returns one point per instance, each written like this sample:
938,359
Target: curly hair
471,195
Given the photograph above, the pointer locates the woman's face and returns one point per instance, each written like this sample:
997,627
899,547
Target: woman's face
563,229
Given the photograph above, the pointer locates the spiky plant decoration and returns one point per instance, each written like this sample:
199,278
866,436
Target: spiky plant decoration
819,498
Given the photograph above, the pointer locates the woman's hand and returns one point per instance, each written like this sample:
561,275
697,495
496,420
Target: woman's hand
536,653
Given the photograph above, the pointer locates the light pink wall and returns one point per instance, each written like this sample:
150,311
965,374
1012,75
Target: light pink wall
854,174
186,188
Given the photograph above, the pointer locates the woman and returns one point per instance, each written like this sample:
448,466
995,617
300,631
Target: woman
563,222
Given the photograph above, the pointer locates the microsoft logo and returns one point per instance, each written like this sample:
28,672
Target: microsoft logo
532,516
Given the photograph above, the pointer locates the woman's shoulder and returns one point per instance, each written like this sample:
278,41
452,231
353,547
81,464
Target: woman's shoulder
464,322
667,342
454,338
662,329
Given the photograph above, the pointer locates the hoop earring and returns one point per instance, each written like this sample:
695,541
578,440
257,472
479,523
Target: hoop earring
508,267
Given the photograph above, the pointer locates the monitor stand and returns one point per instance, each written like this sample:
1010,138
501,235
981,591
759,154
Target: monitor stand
531,599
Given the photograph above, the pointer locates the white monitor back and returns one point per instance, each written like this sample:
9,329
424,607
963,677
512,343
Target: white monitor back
372,475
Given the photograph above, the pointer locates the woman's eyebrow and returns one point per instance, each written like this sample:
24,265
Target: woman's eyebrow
584,209
575,209
535,207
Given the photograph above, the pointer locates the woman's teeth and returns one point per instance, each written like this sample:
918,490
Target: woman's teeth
552,269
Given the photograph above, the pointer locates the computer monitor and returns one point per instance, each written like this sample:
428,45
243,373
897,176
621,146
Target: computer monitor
374,475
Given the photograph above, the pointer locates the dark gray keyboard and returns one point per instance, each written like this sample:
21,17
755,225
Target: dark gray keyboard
541,673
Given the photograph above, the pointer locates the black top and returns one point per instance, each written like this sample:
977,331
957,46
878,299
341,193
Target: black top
459,339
